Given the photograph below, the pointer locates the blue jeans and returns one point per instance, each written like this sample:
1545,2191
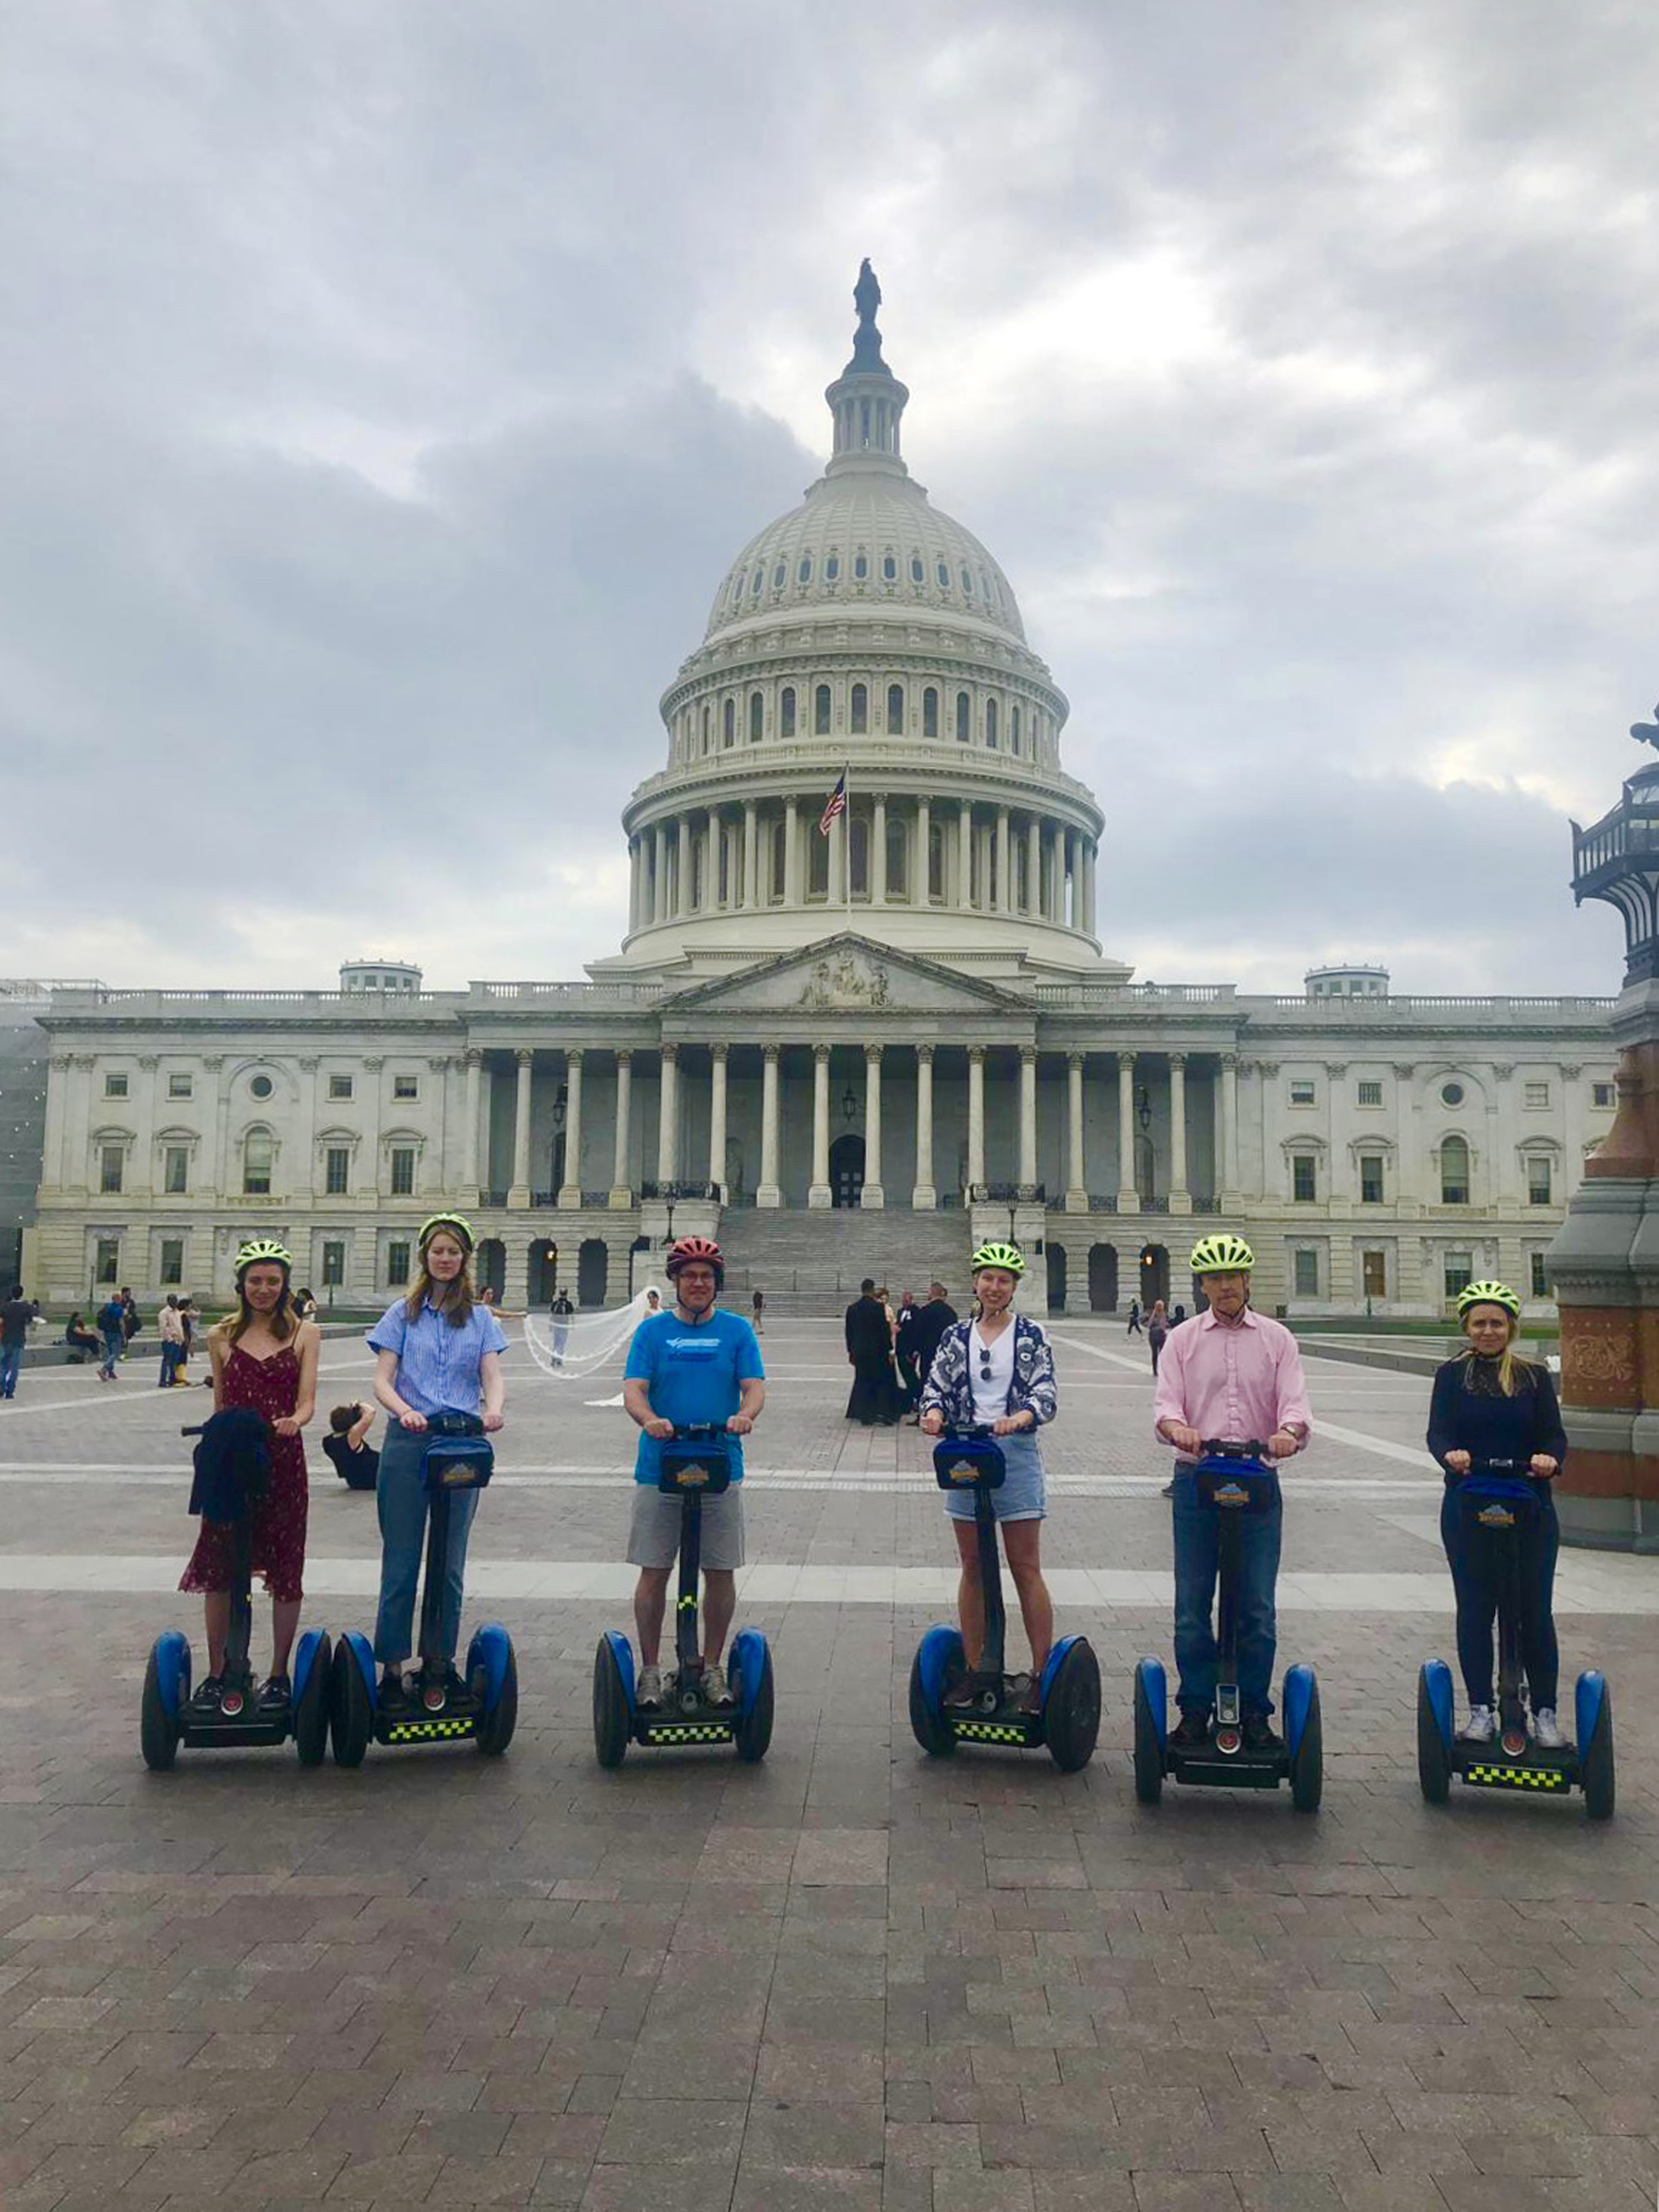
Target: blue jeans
115,1344
1472,1558
172,1354
400,1499
1197,1558
12,1358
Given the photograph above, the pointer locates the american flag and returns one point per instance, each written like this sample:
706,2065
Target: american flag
835,804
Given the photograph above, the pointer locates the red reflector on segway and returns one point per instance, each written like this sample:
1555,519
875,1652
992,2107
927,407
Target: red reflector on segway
1515,1742
1228,1741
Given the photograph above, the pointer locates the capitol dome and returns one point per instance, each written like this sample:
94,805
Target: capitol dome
865,636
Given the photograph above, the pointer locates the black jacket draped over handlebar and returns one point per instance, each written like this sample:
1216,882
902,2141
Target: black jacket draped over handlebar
1469,1412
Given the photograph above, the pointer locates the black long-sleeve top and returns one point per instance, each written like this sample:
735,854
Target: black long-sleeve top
1469,1412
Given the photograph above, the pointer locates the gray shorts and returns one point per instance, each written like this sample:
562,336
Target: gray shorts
654,1535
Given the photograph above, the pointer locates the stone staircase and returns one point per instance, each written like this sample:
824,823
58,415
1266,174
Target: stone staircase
813,1263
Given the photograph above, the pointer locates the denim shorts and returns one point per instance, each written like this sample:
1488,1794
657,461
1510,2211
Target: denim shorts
1021,1496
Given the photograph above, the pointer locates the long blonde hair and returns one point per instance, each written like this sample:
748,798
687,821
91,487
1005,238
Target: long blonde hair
453,1300
1513,1372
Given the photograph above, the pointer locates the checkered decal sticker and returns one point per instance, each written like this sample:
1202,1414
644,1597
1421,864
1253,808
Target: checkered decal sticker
690,1732
989,1732
1517,1778
426,1731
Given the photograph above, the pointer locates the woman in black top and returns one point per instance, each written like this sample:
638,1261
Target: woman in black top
1489,1404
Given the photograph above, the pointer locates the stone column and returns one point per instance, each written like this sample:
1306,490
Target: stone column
1003,902
1228,1165
964,897
717,1121
925,1197
1077,1187
52,1161
660,908
1057,876
632,884
1180,1199
878,858
621,1189
767,1193
1128,1198
818,1196
975,1114
920,876
873,1195
751,854
985,837
1034,867
683,867
1090,858
1028,1142
668,1116
791,852
473,1061
520,1194
570,1191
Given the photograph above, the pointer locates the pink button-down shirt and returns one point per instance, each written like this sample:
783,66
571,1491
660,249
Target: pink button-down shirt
1232,1380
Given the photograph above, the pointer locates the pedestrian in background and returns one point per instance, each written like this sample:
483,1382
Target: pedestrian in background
16,1314
1133,1328
112,1326
172,1343
870,1354
904,1354
561,1310
1157,1328
759,1304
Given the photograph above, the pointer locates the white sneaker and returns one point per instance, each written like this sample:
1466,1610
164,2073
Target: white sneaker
649,1690
716,1690
1480,1727
1545,1732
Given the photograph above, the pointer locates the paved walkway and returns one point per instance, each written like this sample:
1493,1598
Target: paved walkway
846,1978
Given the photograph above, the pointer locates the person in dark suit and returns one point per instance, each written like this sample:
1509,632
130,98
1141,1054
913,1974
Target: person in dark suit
931,1322
870,1350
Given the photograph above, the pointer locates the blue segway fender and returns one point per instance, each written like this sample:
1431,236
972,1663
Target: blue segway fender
748,1660
1157,1685
939,1647
362,1652
623,1652
1298,1698
1437,1675
1587,1705
173,1670
490,1648
1055,1658
305,1658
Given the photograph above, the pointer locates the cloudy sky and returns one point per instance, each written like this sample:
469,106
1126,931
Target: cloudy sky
383,389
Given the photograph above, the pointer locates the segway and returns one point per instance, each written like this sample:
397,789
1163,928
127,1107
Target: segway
480,1704
1498,1500
1066,1719
697,1464
1233,1479
167,1719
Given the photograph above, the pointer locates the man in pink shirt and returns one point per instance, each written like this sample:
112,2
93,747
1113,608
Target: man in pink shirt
1228,1374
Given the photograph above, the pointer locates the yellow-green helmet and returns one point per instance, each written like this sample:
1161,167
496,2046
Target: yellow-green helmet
1223,1254
262,1247
1488,1294
435,1222
998,1256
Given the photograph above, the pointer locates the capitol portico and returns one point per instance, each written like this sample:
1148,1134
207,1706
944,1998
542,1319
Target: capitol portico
860,1048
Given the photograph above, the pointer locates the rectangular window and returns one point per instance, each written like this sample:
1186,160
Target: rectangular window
334,1263
403,1171
1540,1265
1301,1091
181,1086
1538,1179
340,1086
337,1171
405,1086
115,1085
112,1158
1304,1181
107,1260
397,1265
172,1259
1371,1179
1535,1094
1458,1275
1373,1270
1370,1094
175,1170
1601,1094
1306,1275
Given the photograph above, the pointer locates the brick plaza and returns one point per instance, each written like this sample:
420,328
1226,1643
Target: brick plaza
848,1977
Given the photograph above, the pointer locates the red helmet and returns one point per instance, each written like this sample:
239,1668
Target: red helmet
687,1248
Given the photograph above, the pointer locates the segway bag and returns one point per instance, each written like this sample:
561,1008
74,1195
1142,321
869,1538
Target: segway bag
960,1462
458,1462
1492,1502
701,1467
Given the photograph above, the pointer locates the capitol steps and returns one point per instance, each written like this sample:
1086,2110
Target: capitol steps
813,1263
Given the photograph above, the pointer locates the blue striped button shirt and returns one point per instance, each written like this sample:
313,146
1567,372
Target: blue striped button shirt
438,1365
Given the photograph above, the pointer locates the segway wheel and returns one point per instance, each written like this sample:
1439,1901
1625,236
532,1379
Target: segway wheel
1595,1764
1308,1767
311,1715
1070,1711
1149,1753
158,1729
495,1728
752,1733
610,1716
1433,1765
927,1723
351,1716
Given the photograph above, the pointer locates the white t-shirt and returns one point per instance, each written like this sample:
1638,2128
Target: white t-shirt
991,1392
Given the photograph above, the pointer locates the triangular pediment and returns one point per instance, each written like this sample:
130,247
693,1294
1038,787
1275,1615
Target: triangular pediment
847,973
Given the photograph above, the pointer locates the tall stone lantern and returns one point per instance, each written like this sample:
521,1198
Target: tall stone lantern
1605,1262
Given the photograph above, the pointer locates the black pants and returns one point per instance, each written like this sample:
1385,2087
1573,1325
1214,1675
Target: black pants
1472,1556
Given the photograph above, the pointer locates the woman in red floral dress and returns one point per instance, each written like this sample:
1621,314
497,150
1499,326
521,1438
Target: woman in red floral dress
263,1357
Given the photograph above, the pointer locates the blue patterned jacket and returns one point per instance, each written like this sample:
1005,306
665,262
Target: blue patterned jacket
950,1387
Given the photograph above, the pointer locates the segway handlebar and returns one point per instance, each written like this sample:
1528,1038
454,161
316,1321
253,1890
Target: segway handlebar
1234,1448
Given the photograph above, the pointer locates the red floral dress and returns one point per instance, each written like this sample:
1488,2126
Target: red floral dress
270,1387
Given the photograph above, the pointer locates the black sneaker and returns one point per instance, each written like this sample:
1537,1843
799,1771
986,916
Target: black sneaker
275,1693
394,1698
210,1695
1258,1735
1193,1732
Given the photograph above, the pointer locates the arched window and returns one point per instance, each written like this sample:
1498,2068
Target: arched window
896,710
786,712
943,571
756,581
821,711
935,861
860,835
804,574
898,859
832,567
1013,729
964,713
889,568
818,878
779,863
967,581
930,713
756,716
991,723
1454,1171
860,567
259,1156
861,723
918,573
729,722
778,575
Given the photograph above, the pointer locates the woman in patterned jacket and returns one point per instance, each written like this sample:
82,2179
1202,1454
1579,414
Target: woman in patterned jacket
997,1372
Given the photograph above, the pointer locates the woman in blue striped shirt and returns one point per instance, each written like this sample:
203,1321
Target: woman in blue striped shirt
438,1352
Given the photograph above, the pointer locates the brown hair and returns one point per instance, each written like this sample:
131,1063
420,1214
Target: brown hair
284,1321
453,1300
343,1418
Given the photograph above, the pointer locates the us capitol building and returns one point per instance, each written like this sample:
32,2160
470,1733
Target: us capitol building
805,1035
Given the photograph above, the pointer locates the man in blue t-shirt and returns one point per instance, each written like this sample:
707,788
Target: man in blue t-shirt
693,1366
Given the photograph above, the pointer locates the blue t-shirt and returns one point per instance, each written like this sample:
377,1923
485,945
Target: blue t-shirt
693,1370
